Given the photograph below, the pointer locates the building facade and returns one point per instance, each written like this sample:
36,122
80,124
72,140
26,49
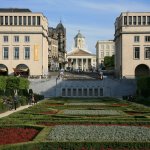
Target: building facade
132,42
57,47
79,58
23,42
53,61
104,48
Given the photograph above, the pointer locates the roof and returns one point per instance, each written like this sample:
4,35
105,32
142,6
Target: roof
60,25
12,10
79,52
79,35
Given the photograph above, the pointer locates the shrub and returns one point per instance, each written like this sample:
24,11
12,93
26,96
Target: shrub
38,97
23,100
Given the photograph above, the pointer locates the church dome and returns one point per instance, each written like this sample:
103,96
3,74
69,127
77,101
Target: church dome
79,35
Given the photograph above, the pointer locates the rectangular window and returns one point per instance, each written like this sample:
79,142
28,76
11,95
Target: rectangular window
27,53
20,20
5,38
125,20
139,20
148,20
29,20
147,52
15,20
136,38
5,52
107,53
102,54
130,20
134,20
1,20
16,52
24,20
27,38
101,92
16,38
136,52
147,38
144,20
34,20
38,20
6,20
11,20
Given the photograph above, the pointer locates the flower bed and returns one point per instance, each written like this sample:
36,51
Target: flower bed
93,112
49,112
16,135
84,104
81,133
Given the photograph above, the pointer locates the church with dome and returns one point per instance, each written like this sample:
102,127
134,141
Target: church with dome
79,58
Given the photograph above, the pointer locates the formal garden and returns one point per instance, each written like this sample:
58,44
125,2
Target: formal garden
78,124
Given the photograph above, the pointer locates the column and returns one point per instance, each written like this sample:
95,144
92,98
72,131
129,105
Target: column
87,63
82,63
76,63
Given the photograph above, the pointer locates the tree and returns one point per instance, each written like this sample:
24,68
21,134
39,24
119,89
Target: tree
109,61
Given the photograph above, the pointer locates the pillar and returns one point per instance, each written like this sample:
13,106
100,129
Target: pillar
82,63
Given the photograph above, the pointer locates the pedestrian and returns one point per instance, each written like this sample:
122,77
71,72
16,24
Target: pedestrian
15,100
33,100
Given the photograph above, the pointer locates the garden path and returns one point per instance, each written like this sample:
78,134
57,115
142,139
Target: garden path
13,110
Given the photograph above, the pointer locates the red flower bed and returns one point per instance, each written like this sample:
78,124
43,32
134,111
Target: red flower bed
117,105
49,112
55,104
16,135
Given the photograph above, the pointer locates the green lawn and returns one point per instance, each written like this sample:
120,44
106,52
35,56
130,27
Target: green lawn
83,124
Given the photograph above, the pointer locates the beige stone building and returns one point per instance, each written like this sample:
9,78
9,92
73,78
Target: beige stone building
79,58
104,48
23,42
132,42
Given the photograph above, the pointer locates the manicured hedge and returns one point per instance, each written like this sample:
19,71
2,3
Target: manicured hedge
143,86
78,146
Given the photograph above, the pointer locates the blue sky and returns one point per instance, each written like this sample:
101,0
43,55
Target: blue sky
94,18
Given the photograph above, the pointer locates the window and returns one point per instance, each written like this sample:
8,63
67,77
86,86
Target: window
107,46
125,20
134,20
6,20
1,20
11,20
147,38
20,20
5,52
38,20
139,20
136,52
130,20
102,46
5,38
27,38
147,52
136,38
34,20
148,20
16,38
27,53
29,20
107,53
144,20
102,54
24,20
15,20
16,52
